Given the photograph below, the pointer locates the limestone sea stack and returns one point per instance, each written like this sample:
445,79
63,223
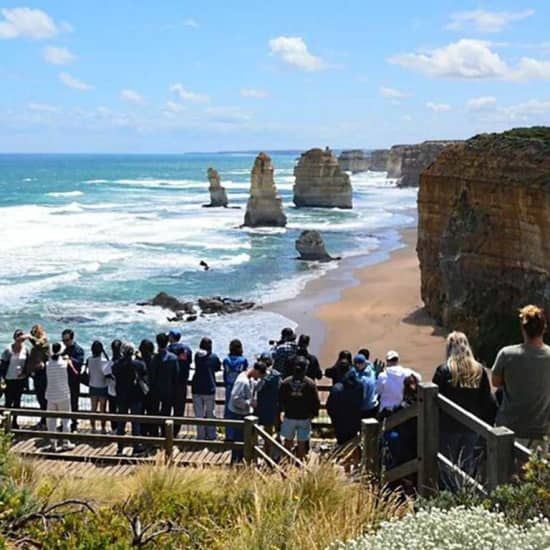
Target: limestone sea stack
311,247
264,207
378,160
320,182
484,234
218,196
354,161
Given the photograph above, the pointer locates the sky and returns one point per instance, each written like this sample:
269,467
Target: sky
143,76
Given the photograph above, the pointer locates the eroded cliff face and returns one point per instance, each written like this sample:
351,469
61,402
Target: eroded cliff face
353,160
320,182
378,160
484,234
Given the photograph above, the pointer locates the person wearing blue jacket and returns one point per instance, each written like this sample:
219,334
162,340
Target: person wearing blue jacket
233,365
203,387
364,371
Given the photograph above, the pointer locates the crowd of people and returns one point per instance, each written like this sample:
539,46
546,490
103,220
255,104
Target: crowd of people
279,387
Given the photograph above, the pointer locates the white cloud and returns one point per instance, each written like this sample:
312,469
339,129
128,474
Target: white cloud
253,92
26,22
57,56
131,96
227,115
472,59
173,107
392,93
43,107
185,95
485,21
526,111
190,22
438,107
480,103
72,82
293,51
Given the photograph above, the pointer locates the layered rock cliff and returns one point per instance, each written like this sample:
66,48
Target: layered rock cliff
320,182
218,196
484,234
354,161
264,207
378,160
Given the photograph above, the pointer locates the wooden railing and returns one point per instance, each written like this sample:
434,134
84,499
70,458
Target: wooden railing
503,454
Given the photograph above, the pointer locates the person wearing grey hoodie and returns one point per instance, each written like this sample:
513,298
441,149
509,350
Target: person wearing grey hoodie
243,401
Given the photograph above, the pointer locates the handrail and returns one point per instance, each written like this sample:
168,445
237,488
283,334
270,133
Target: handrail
463,416
455,470
278,446
116,417
399,417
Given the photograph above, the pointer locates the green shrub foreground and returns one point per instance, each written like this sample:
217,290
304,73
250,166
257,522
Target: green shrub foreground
458,528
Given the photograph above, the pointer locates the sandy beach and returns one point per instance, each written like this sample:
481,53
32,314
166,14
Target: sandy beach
378,307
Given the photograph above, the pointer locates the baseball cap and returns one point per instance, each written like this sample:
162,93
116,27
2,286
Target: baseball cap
359,358
174,333
391,355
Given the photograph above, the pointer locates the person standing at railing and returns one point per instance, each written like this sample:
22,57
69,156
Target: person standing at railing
185,357
95,367
299,400
339,369
13,368
74,366
523,371
463,380
58,393
364,372
163,379
313,369
284,354
132,385
233,365
242,401
203,387
146,353
116,346
267,397
36,367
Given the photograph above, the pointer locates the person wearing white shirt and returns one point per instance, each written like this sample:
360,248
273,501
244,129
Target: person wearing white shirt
58,393
390,383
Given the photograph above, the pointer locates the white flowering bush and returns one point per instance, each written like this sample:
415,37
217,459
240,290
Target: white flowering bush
459,528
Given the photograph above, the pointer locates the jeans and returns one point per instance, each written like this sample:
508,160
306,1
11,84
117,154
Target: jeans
459,447
179,404
124,407
14,390
74,388
237,434
204,406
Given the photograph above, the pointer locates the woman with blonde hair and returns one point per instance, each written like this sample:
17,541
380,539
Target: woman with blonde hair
463,380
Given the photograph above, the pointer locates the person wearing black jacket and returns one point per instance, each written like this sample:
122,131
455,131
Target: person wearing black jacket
336,372
76,359
313,369
463,380
146,354
299,401
344,406
132,386
163,374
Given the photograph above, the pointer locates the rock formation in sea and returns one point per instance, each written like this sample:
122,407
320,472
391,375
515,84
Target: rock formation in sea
264,207
378,160
484,234
354,161
320,182
218,196
311,247
406,162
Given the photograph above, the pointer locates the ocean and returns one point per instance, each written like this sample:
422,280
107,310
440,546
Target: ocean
83,238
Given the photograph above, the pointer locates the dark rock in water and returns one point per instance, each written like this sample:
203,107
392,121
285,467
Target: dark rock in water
166,301
311,247
74,319
190,318
217,304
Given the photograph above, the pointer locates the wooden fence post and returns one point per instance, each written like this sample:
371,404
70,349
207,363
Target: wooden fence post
168,440
500,456
250,438
427,438
6,420
370,447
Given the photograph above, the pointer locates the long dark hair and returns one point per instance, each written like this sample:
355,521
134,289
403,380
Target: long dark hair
116,348
98,349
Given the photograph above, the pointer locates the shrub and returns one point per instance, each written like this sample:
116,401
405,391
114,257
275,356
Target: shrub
458,528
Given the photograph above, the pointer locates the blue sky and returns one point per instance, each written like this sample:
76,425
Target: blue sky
175,76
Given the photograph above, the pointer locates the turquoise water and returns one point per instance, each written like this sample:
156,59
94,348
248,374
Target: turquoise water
85,237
